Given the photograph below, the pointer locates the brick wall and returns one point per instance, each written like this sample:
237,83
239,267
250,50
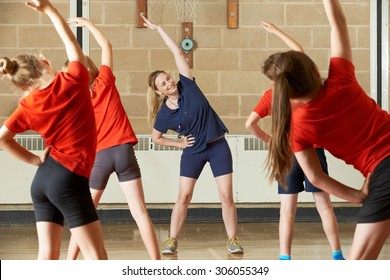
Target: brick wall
227,62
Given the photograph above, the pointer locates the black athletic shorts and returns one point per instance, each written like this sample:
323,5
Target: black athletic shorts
58,193
376,207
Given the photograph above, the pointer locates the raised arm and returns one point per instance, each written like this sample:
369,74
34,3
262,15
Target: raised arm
339,35
72,47
99,36
181,63
289,41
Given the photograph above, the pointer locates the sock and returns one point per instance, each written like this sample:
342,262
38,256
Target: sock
338,255
284,257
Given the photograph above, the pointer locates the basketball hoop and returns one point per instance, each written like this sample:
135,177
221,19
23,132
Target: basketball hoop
186,12
151,9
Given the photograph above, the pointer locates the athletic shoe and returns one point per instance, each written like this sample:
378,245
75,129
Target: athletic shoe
169,246
233,246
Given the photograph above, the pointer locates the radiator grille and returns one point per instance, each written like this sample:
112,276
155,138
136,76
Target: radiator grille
255,144
145,143
157,147
31,142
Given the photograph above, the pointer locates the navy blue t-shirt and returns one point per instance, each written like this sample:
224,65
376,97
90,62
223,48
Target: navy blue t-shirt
194,116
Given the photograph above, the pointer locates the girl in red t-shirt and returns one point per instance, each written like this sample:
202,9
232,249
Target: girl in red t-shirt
115,141
58,107
294,181
339,116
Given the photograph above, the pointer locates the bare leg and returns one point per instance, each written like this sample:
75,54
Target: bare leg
288,209
229,211
90,240
73,248
368,240
179,212
328,218
49,237
134,194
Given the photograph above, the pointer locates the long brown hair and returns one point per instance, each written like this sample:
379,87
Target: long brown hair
295,76
153,99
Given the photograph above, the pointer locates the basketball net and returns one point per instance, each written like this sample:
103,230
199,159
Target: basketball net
186,10
155,10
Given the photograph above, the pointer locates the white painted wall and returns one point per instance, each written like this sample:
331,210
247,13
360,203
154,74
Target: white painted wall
160,172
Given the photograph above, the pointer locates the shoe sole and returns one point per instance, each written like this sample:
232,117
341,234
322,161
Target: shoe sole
168,253
236,251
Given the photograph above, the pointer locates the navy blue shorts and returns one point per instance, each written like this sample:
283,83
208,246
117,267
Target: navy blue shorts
119,159
217,153
296,177
376,207
58,193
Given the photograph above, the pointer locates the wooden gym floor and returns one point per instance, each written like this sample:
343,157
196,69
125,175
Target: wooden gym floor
197,242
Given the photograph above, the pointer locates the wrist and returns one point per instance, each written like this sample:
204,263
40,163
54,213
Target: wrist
181,144
37,161
50,10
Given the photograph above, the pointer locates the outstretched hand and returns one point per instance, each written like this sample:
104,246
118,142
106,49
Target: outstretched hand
77,22
148,23
39,6
268,26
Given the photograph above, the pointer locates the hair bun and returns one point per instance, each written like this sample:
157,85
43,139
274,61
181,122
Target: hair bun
7,66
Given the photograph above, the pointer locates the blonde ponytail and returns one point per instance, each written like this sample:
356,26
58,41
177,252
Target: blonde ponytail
7,66
24,71
153,99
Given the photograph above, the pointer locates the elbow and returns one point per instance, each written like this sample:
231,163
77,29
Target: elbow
108,44
249,125
342,20
316,179
3,141
178,53
156,140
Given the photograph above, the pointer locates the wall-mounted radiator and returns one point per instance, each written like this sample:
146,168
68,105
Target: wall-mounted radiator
160,174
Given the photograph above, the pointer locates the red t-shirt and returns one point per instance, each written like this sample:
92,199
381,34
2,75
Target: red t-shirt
62,114
344,120
112,125
263,108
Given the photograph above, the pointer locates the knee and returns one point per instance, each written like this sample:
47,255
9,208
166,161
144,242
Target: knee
324,206
226,198
184,199
138,212
287,213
